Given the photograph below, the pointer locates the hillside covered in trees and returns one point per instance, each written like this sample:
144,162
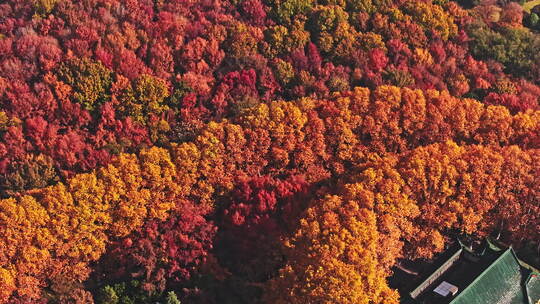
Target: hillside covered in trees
259,151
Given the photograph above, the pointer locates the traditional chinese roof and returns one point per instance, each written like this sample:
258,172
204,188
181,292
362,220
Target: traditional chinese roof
503,282
495,276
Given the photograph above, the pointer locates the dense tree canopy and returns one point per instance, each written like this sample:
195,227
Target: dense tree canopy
247,151
138,213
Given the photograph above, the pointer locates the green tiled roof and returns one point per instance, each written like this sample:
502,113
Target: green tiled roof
501,283
533,288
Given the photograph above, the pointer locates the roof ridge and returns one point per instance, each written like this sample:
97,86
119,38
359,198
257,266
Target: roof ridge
433,276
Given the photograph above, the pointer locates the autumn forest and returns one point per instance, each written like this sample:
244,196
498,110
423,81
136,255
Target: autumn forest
259,151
